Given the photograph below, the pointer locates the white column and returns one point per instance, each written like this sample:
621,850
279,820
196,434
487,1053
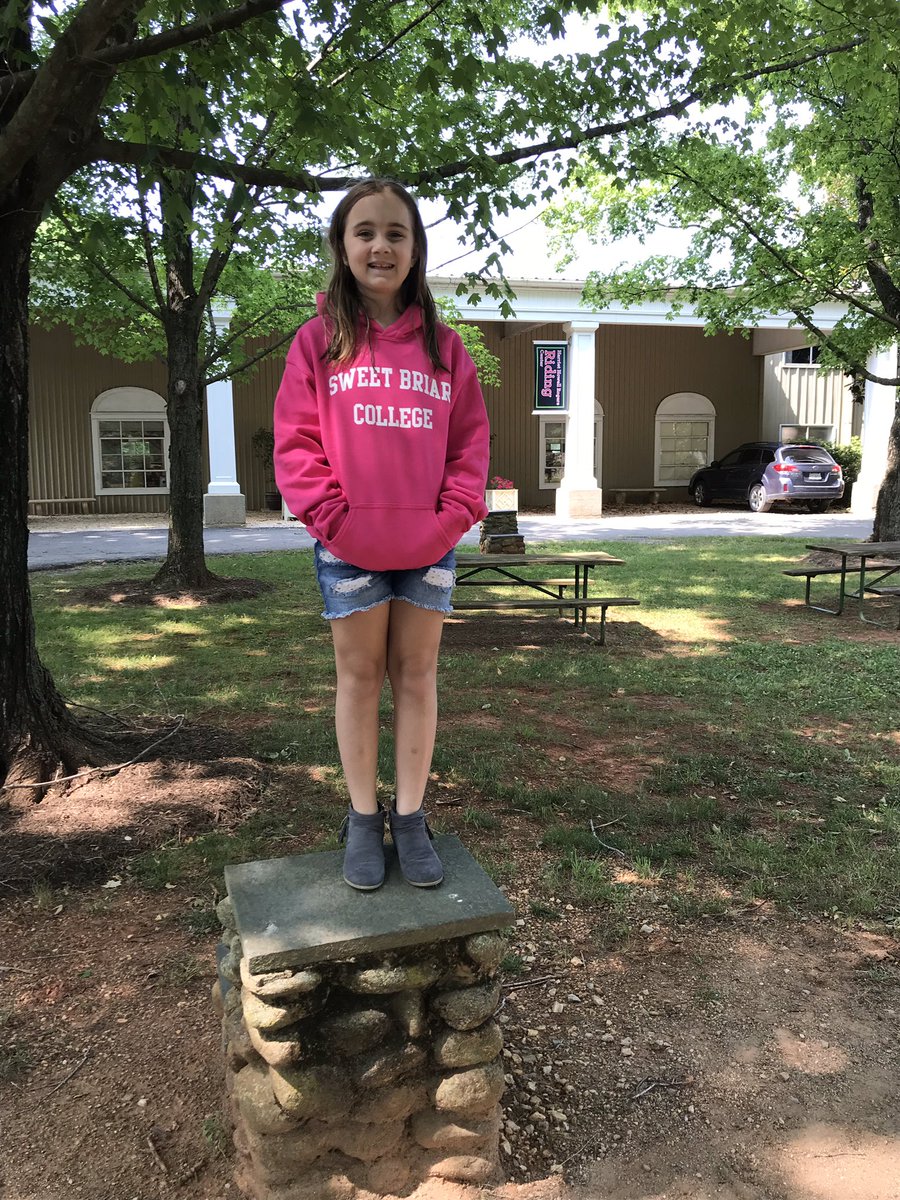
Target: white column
878,415
223,503
578,494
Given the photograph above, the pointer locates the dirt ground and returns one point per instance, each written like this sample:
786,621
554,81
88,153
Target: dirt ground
750,1057
754,1056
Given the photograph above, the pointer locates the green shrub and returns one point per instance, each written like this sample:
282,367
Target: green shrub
848,455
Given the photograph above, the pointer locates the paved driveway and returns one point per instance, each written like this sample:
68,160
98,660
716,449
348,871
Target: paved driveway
109,542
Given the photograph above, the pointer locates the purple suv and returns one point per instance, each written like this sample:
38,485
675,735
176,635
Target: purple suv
767,473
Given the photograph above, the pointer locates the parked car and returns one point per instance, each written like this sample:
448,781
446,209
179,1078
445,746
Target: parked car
767,473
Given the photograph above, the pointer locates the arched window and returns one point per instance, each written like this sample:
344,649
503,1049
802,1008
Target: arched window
130,440
685,438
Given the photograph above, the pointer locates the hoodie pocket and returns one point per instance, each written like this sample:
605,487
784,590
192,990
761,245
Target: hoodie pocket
390,538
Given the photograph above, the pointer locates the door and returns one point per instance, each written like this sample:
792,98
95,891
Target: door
740,469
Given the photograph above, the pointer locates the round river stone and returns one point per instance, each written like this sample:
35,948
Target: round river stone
466,1008
457,1049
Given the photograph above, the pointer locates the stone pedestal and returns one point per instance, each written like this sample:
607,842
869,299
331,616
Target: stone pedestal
500,534
224,512
361,1049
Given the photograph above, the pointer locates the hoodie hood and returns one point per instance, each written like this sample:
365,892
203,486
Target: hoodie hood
409,321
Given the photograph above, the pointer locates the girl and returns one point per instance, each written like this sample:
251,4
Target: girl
381,449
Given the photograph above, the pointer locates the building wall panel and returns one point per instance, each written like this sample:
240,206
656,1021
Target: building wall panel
65,379
254,401
637,367
797,394
515,435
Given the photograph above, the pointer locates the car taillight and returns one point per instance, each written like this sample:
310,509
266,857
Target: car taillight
838,468
785,466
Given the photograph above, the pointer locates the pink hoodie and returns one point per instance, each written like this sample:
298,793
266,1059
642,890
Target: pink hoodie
384,459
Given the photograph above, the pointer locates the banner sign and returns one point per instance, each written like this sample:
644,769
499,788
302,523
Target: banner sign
550,376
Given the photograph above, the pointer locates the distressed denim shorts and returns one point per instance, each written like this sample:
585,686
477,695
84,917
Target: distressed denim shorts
347,589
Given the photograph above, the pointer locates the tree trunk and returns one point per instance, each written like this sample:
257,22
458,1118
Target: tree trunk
185,566
887,508
39,739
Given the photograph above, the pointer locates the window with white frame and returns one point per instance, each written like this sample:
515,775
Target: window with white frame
806,433
552,449
685,438
130,442
805,356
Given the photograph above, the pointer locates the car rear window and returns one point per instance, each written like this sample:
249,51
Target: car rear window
805,454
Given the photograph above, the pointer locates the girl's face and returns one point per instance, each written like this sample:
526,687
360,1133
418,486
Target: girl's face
379,250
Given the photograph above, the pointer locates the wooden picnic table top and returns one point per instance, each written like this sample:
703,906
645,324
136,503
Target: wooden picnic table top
594,558
860,549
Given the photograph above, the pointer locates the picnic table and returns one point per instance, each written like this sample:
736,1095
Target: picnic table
563,592
874,565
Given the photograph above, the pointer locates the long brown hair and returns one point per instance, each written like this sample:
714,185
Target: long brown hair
342,302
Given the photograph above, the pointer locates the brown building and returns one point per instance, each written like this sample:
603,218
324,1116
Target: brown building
647,399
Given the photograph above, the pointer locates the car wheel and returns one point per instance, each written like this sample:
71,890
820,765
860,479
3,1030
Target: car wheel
758,498
819,506
701,494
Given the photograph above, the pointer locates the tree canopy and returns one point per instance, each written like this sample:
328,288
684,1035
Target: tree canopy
791,199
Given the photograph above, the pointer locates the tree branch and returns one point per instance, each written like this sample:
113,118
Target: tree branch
382,50
236,335
249,362
184,35
240,204
675,109
101,148
334,40
885,288
826,339
689,292
100,267
780,257
149,256
213,332
57,81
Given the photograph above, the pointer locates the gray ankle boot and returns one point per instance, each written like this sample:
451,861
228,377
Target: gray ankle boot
412,838
364,855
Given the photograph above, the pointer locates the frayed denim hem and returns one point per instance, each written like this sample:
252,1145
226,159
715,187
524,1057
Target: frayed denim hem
387,600
427,607
367,608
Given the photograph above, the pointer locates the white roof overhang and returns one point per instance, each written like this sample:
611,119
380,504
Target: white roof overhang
540,302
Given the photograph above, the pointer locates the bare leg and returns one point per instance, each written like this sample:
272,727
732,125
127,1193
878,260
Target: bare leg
414,637
360,655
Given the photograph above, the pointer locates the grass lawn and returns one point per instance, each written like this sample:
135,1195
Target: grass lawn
726,745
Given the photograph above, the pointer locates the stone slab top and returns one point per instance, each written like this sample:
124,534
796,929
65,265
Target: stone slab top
294,911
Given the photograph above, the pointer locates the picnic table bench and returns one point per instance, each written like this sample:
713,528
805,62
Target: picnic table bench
882,558
506,570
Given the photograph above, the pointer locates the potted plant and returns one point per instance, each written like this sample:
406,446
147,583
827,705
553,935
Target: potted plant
263,442
501,495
